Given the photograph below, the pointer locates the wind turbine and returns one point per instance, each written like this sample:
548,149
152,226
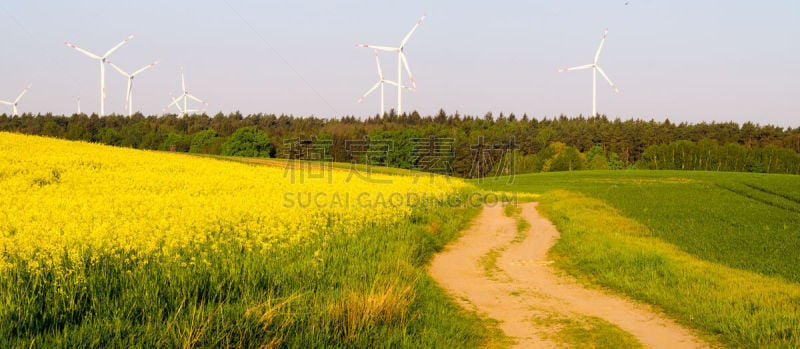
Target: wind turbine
79,104
595,68
381,82
102,60
185,97
181,112
16,101
129,94
401,61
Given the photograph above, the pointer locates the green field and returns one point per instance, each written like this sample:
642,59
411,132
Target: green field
717,251
746,221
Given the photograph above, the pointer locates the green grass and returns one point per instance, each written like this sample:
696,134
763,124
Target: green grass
719,217
585,332
368,289
739,308
489,262
522,230
511,209
716,251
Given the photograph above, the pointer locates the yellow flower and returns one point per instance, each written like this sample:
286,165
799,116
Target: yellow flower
59,196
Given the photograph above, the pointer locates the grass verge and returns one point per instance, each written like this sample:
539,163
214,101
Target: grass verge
585,332
739,308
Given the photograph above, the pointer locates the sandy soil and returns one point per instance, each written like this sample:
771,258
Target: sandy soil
522,286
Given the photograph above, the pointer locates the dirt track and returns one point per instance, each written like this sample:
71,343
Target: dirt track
524,287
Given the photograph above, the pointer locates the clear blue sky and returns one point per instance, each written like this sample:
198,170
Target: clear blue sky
685,60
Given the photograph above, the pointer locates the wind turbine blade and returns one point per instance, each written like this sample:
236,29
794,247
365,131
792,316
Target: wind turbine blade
378,61
23,93
197,99
382,48
408,70
408,36
607,79
119,45
118,69
597,55
183,81
178,105
6,103
174,102
364,96
395,84
587,66
145,68
91,55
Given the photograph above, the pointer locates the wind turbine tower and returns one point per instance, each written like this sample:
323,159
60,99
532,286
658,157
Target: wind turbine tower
129,93
102,60
16,101
401,62
380,83
185,96
595,69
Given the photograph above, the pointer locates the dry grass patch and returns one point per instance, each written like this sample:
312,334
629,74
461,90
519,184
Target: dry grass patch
359,312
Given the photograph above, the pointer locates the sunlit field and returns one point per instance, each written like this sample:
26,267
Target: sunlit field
717,251
105,246
113,246
63,200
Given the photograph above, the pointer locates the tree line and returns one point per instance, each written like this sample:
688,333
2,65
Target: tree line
547,144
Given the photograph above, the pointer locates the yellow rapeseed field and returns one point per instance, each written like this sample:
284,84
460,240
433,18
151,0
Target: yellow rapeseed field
60,200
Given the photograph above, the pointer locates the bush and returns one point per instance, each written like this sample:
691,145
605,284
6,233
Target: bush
249,142
615,163
203,141
175,140
596,159
568,160
108,136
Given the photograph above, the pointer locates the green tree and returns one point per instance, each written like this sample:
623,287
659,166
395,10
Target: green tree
615,163
51,128
568,160
250,142
202,141
131,136
596,159
176,141
108,135
401,153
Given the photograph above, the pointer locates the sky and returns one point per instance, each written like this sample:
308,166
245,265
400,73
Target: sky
694,61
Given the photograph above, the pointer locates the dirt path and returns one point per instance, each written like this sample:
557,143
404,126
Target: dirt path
524,287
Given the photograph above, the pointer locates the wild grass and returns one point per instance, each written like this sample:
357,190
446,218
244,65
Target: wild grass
522,230
367,289
717,251
584,332
739,308
742,220
511,209
489,262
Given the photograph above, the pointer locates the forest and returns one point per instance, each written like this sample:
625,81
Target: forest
461,145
